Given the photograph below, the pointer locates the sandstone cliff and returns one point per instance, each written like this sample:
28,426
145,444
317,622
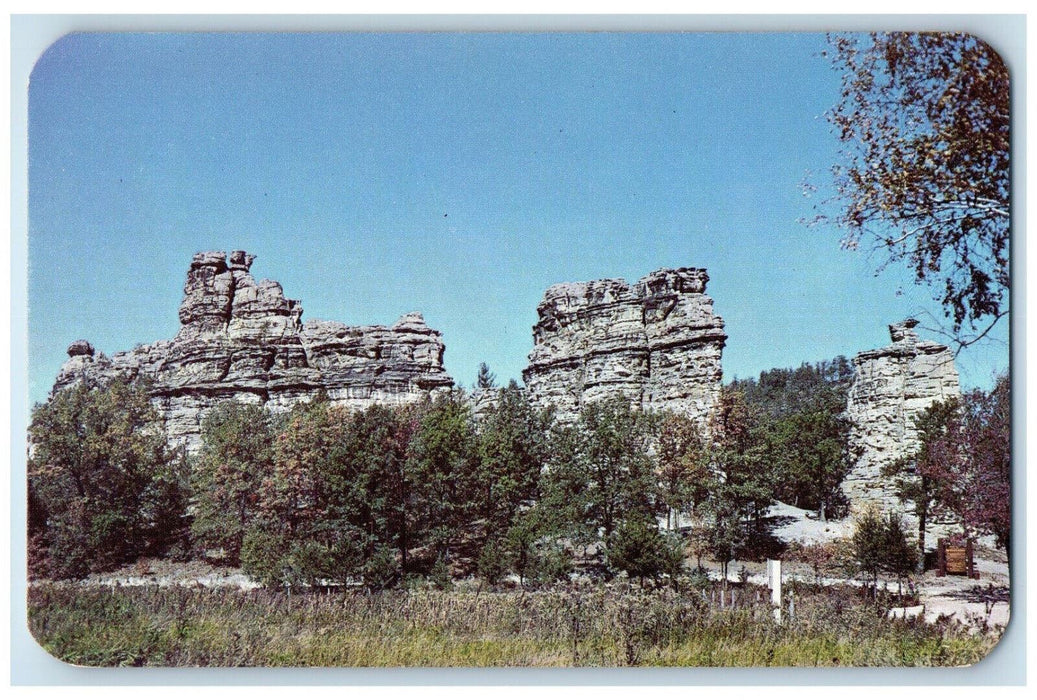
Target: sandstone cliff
892,386
657,342
241,339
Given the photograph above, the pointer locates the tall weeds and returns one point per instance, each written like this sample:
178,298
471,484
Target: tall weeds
602,626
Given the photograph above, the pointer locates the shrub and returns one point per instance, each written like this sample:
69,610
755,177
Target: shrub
880,545
494,561
381,570
551,564
642,551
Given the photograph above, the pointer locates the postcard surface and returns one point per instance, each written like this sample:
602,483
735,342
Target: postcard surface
447,349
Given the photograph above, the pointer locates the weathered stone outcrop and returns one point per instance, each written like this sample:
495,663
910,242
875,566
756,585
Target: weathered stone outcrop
241,339
657,342
892,386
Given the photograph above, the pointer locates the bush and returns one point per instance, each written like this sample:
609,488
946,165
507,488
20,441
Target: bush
880,545
640,549
381,570
494,561
439,575
551,564
275,560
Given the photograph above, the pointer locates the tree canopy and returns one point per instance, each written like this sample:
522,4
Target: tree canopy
923,119
101,481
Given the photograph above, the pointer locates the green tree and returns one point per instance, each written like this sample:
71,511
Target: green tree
97,468
485,379
879,545
683,467
306,531
782,392
236,455
512,448
736,462
962,465
442,469
809,455
797,423
926,477
924,123
167,508
987,433
739,488
600,472
334,505
640,549
721,531
366,481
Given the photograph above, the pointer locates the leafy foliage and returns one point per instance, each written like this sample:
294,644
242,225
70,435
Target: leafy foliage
442,468
101,483
739,489
683,464
987,440
810,456
236,454
305,529
880,545
779,393
798,422
513,448
599,473
640,549
962,466
924,123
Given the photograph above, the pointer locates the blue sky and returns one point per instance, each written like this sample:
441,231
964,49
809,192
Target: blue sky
459,175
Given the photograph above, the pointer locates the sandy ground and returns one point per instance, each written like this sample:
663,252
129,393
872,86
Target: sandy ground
981,604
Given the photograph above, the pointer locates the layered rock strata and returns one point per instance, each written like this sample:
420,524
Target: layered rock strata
656,342
892,386
241,339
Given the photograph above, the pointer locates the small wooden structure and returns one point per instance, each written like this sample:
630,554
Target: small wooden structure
955,560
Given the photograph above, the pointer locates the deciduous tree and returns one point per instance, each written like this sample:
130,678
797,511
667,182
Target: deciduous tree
924,124
236,455
600,472
97,456
442,467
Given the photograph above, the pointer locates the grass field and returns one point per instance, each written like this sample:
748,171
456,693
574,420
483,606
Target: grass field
179,626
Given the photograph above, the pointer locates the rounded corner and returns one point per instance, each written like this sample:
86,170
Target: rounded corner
995,55
997,643
39,644
49,51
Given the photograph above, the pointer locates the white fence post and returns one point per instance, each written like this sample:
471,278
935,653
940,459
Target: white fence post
774,579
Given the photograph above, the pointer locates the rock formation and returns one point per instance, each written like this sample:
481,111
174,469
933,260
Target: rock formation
657,342
241,339
892,386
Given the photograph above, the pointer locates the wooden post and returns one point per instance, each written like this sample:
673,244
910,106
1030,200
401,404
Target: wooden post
941,557
774,579
970,567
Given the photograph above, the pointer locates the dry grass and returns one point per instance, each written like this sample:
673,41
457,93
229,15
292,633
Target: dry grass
600,626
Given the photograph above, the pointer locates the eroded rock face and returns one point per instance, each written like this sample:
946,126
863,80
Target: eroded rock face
657,342
892,386
242,339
